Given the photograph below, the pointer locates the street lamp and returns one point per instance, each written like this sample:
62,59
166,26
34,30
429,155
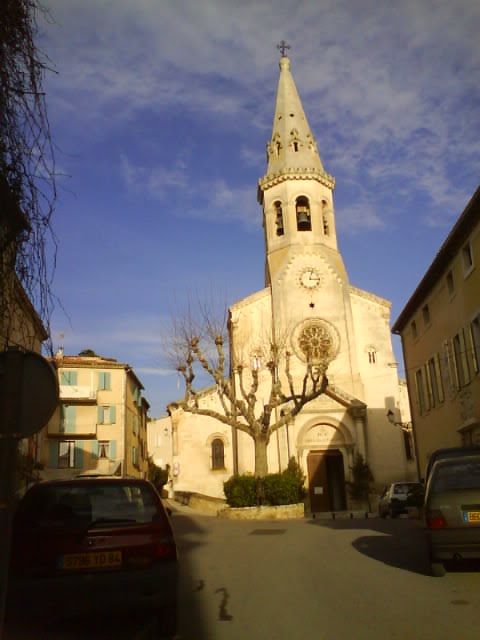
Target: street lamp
404,426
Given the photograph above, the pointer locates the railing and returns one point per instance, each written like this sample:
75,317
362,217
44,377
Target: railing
73,429
76,392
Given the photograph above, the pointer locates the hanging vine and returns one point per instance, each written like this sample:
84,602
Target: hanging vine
27,175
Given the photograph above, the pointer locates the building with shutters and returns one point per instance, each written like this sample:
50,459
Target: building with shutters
100,425
440,331
309,300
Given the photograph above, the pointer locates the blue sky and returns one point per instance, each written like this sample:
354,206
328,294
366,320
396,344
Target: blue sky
160,112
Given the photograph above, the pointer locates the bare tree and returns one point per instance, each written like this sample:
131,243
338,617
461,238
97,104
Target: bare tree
257,396
27,182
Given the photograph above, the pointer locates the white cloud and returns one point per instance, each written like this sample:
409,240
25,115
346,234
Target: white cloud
371,76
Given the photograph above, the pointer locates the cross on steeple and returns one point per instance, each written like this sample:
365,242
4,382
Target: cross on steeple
282,47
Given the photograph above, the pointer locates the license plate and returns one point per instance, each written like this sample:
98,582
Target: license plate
94,560
471,516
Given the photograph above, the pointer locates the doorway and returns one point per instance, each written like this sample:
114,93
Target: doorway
326,481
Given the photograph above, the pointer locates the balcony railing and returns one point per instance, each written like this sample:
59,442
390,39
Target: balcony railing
84,428
76,392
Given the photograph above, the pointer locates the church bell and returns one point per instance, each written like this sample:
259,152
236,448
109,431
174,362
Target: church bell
303,220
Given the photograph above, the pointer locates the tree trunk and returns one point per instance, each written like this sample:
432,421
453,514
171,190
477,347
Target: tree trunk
261,463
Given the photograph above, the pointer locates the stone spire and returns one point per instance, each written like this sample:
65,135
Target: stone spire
292,150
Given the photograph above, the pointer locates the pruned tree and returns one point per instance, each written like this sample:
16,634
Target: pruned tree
256,396
27,178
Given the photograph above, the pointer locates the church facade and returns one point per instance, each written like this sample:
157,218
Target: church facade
308,301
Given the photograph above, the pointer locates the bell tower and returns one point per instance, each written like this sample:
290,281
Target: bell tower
296,193
310,290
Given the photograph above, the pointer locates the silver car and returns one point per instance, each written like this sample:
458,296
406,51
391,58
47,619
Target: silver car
452,511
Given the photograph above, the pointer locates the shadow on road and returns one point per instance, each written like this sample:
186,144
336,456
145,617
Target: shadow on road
399,543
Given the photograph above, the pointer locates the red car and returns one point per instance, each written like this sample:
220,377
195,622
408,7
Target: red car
93,545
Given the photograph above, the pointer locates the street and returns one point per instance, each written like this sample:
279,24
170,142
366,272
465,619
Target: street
322,579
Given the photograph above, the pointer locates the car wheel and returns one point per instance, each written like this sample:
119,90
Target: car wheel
438,569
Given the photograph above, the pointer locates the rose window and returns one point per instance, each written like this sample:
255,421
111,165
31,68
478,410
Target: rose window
316,341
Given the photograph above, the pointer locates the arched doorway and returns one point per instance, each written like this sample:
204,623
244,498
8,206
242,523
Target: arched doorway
326,480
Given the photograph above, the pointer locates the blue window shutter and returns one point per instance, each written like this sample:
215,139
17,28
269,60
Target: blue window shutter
107,381
53,455
100,414
78,454
94,449
112,414
101,380
113,449
70,417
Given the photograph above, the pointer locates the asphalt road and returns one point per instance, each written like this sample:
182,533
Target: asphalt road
308,579
317,579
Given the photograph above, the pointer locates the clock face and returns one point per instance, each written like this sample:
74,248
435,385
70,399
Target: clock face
310,278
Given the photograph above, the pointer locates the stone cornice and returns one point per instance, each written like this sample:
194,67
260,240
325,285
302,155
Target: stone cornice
371,297
303,173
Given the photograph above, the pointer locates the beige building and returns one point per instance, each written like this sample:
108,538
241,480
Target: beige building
100,424
440,331
307,300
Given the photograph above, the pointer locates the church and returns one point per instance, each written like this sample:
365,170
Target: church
308,299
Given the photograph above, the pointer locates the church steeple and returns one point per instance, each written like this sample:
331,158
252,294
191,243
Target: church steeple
293,146
292,149
296,193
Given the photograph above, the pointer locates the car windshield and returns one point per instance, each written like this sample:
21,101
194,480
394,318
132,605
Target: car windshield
404,488
459,475
82,504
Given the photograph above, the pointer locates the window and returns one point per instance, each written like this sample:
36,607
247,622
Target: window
67,418
434,381
218,454
134,424
475,344
66,454
450,363
407,441
413,328
461,362
426,314
467,258
450,283
106,414
326,228
135,456
68,378
103,449
420,387
279,218
372,355
302,208
104,381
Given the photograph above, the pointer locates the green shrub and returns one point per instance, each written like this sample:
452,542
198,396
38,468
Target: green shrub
274,489
240,491
157,476
282,488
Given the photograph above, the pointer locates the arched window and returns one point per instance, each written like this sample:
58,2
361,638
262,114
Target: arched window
218,454
372,355
326,229
279,218
302,206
